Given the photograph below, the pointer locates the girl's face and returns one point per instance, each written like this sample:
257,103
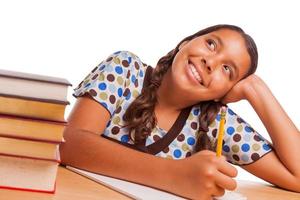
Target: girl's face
208,66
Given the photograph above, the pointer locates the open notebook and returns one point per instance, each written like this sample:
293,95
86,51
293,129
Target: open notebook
137,191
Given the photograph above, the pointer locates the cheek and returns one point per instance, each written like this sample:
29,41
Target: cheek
178,67
220,86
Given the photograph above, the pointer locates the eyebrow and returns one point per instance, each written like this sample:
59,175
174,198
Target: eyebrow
218,39
232,63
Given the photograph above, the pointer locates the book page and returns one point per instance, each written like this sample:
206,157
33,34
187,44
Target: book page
138,191
130,189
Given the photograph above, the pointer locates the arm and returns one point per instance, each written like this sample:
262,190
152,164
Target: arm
196,177
86,149
281,166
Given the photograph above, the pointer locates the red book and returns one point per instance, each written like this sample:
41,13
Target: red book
27,174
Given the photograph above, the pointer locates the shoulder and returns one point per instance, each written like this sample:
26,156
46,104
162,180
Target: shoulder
122,63
125,58
117,80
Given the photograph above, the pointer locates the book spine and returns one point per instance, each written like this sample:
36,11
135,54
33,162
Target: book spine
25,118
29,190
36,99
32,139
34,77
33,158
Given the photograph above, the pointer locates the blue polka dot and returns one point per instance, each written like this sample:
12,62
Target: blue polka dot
117,52
230,130
196,112
129,60
266,147
141,73
177,153
102,86
87,85
230,112
119,70
218,117
104,104
125,138
248,129
102,67
226,148
120,92
245,147
191,141
128,96
133,78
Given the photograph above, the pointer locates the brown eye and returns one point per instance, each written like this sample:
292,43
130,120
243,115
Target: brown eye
227,69
211,44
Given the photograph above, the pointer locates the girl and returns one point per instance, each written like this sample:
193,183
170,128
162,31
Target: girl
173,111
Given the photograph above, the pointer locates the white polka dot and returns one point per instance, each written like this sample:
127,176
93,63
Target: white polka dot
112,88
245,158
247,137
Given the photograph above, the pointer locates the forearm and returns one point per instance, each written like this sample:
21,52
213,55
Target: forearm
91,152
283,132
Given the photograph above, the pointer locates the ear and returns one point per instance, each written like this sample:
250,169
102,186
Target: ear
183,44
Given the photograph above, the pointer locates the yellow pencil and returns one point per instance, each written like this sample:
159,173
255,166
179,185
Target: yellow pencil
221,132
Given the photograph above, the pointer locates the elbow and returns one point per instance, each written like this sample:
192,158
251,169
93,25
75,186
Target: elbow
293,185
297,185
64,154
74,150
68,147
66,151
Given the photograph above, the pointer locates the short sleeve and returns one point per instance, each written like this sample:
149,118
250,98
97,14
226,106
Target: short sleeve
241,143
109,81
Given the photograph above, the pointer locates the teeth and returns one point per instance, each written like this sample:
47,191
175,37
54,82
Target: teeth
195,73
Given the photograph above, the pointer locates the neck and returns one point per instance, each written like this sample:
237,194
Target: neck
169,97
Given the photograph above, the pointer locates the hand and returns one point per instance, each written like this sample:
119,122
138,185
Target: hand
239,90
202,176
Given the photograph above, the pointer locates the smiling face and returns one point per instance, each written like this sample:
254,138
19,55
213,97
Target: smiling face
208,66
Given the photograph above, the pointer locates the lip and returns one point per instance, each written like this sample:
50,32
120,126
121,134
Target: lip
191,75
198,69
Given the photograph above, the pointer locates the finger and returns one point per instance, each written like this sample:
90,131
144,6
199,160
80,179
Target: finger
218,191
224,100
225,182
207,152
227,169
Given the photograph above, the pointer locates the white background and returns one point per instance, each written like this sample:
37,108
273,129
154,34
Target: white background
69,38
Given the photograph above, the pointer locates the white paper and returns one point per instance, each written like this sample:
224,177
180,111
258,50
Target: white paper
137,191
133,190
231,196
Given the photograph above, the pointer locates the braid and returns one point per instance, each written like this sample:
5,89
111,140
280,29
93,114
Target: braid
209,111
140,118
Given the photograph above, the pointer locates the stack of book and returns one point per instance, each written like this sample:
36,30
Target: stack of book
32,121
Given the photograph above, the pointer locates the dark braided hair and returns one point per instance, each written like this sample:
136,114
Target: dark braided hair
140,118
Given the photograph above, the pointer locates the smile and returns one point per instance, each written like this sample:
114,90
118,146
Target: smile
195,73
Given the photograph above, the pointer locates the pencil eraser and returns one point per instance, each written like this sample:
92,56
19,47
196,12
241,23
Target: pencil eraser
223,109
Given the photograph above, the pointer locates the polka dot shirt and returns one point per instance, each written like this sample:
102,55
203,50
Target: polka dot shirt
118,80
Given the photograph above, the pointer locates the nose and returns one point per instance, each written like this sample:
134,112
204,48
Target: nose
206,66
